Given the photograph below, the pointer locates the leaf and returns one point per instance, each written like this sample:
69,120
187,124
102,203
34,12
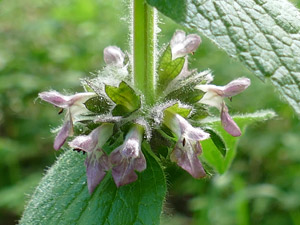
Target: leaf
263,34
98,105
62,196
218,141
199,112
168,69
184,89
211,152
124,96
183,111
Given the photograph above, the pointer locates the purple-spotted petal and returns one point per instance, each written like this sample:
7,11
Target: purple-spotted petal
181,44
96,169
236,86
86,143
185,154
228,123
62,135
114,55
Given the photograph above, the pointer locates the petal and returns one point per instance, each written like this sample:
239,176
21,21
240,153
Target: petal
181,44
212,99
187,158
80,98
182,128
95,170
236,86
132,145
55,98
114,55
140,163
196,134
86,143
62,135
178,37
124,173
115,157
128,157
228,123
131,148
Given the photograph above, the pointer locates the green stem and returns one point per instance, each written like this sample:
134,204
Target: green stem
144,38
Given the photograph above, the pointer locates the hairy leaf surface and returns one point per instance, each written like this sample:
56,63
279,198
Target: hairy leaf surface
264,34
62,196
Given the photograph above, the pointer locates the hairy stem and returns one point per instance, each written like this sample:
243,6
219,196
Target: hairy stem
144,44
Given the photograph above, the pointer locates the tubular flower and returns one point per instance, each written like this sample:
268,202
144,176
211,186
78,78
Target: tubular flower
181,45
73,104
128,157
113,55
215,95
97,162
188,147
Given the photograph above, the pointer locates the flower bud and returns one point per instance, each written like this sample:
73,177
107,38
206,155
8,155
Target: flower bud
181,44
114,56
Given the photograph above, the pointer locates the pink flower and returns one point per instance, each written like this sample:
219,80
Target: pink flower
215,95
128,157
114,56
188,147
181,44
73,104
97,162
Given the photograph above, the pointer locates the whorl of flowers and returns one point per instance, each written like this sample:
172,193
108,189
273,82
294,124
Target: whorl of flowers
111,120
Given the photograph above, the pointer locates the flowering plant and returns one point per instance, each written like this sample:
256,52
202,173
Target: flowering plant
143,109
112,103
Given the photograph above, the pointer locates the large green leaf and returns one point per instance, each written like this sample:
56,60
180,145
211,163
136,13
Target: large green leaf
264,34
213,148
62,196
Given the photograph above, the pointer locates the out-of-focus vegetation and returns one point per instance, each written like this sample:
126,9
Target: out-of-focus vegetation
51,44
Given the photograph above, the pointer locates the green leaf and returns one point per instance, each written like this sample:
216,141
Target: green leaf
125,97
263,34
98,105
211,152
218,141
168,69
181,110
62,196
184,89
199,112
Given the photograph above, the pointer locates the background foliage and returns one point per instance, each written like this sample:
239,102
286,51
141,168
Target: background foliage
50,44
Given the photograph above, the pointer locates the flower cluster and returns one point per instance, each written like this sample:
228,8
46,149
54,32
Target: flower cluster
117,120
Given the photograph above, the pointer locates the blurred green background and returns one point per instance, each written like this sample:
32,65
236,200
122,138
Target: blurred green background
50,44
